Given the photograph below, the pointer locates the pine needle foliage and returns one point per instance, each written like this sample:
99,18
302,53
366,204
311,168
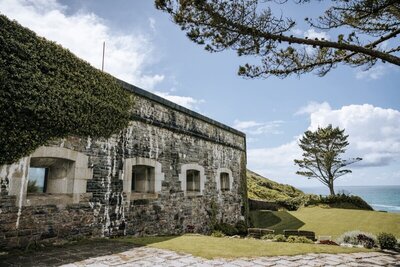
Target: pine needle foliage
47,92
365,33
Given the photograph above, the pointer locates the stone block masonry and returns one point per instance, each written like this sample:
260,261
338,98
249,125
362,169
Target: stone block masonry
171,171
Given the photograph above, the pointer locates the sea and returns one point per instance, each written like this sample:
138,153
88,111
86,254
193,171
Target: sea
380,197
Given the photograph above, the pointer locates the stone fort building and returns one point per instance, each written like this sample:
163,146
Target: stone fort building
170,172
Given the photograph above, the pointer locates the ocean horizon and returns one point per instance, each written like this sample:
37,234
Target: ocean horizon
379,197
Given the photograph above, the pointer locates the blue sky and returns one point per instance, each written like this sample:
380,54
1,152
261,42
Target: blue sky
145,48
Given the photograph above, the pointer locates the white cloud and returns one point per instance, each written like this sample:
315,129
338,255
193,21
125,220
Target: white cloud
374,132
281,156
152,24
251,140
127,56
313,107
257,128
312,34
186,101
275,163
297,31
373,73
374,135
243,125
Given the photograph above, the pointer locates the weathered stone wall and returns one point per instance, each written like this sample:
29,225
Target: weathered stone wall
159,131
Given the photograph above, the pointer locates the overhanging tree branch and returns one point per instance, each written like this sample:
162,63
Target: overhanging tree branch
249,29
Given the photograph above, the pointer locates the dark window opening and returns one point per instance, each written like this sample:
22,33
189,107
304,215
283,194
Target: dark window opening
193,181
143,178
224,181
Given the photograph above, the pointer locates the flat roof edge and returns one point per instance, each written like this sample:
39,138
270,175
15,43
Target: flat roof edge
165,102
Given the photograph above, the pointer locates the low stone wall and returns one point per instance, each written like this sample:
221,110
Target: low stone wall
263,205
95,200
45,224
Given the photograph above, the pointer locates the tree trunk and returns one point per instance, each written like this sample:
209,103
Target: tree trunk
332,191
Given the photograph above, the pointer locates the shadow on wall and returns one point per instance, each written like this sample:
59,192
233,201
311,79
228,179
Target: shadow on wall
275,220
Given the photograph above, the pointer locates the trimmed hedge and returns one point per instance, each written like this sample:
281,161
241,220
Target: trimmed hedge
47,92
341,201
289,203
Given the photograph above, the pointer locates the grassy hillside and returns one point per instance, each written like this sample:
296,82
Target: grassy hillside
328,221
260,188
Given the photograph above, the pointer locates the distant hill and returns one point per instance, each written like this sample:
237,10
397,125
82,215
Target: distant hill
261,188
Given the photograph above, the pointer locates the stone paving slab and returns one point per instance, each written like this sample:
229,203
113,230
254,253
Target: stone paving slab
125,254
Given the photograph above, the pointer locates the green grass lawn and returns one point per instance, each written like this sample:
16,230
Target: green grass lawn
276,220
328,221
213,247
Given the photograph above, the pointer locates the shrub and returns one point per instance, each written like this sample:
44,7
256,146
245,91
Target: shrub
303,239
387,241
32,187
241,228
298,239
48,93
268,237
280,238
217,234
340,201
307,234
292,239
358,238
292,203
226,228
366,241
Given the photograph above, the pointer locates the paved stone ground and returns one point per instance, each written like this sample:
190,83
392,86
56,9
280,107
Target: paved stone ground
122,254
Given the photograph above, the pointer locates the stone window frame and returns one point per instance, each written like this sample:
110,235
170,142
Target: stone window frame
75,188
182,178
159,176
218,179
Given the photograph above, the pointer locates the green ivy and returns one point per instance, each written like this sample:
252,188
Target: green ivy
47,92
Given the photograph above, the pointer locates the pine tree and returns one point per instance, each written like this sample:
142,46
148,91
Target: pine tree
321,155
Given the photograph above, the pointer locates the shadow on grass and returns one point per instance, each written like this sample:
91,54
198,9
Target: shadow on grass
69,253
263,218
146,240
275,220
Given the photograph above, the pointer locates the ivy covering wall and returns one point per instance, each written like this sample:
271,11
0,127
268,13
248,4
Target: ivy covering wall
47,92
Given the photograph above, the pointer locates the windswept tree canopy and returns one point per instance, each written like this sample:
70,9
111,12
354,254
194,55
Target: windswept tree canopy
322,151
47,92
365,31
